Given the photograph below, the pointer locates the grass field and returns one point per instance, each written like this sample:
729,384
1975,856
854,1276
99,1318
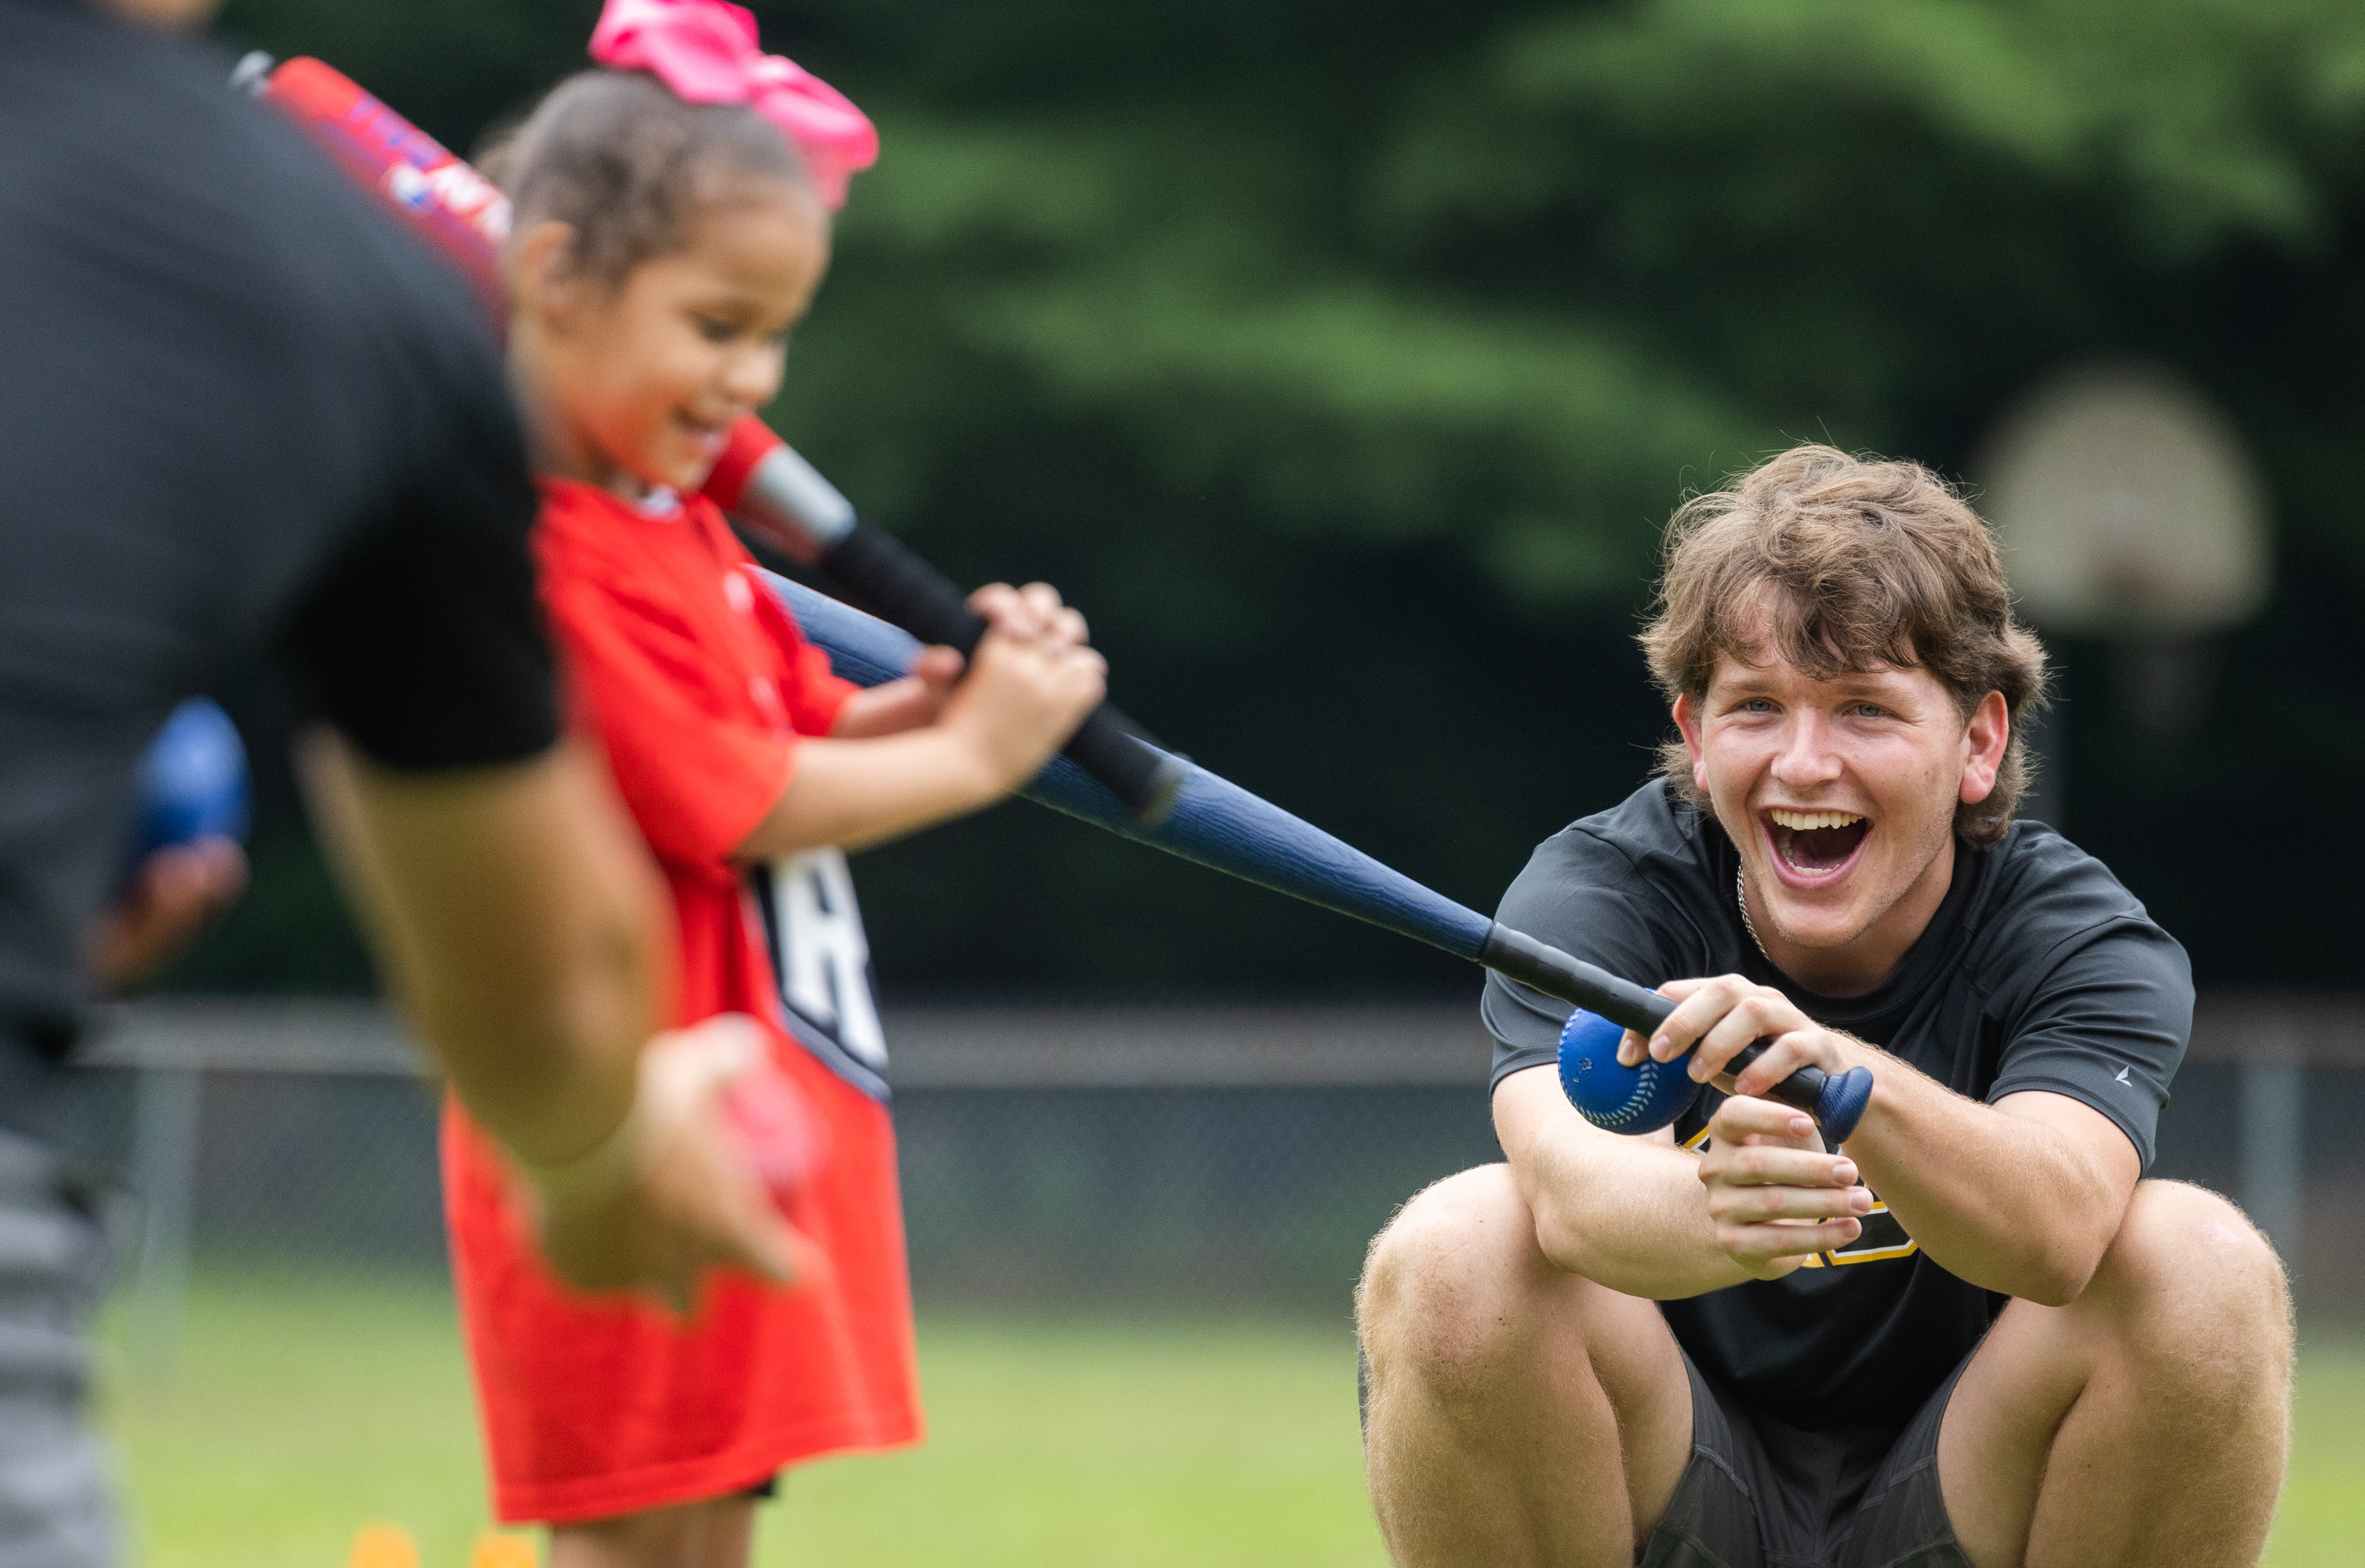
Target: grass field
303,1406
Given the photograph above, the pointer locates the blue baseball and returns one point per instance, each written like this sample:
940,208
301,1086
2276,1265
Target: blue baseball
1615,1097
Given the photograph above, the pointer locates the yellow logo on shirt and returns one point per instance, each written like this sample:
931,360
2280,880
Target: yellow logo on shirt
1883,1237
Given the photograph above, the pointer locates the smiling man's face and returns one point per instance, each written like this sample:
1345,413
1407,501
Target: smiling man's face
1841,796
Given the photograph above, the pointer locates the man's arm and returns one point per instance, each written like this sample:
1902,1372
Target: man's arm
1631,1213
2023,1196
519,920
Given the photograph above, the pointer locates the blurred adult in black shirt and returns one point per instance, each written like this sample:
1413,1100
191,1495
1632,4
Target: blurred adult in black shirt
1972,1334
240,411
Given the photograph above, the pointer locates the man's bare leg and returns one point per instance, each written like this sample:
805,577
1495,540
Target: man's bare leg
2148,1422
712,1534
1518,1415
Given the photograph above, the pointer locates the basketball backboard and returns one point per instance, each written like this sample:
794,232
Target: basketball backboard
2127,507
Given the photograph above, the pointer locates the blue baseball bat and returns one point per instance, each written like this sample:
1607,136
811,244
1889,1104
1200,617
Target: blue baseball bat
1217,824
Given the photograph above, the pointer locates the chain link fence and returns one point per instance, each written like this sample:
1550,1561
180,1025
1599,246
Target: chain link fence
1060,1157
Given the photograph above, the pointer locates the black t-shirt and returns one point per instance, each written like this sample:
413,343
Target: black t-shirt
238,409
2039,972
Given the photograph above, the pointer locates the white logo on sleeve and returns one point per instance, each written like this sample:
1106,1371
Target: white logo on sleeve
823,960
2122,1077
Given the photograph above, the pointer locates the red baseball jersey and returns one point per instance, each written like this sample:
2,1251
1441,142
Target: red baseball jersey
696,684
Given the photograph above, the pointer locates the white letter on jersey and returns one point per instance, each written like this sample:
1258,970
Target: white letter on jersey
824,957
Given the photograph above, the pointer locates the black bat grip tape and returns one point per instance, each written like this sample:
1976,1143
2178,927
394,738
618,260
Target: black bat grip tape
1836,1104
875,566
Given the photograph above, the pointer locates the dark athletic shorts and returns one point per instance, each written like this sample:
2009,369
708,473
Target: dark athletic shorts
1759,1493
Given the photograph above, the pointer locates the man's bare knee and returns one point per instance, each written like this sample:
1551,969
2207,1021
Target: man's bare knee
2199,1251
1441,1283
2197,1293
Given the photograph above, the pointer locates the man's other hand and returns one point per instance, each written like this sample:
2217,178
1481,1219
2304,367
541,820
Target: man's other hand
174,894
1774,1195
671,1193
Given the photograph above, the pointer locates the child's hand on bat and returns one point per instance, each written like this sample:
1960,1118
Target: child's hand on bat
1032,614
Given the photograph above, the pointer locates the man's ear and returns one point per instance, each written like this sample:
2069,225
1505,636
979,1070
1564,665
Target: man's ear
542,277
1688,721
1984,740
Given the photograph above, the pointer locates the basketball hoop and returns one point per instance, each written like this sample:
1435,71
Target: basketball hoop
2129,511
2127,507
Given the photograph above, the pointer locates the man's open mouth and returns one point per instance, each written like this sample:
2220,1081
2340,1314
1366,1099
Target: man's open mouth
1815,844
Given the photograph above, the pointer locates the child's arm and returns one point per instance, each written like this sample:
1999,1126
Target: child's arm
993,732
1033,614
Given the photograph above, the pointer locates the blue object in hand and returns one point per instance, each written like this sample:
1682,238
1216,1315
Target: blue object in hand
1617,1098
193,781
1644,1099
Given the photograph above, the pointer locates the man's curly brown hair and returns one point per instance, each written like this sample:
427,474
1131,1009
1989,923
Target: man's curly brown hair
1871,563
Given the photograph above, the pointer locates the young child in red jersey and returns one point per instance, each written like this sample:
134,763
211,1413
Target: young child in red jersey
661,251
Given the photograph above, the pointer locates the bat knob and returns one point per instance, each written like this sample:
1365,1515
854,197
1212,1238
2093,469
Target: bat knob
1840,1105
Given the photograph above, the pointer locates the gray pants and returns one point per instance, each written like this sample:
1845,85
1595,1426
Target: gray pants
56,1504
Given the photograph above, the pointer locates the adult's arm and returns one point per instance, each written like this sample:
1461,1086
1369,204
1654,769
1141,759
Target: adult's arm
1631,1213
520,923
2021,1196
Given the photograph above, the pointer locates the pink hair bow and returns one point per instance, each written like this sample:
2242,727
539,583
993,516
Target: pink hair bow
705,50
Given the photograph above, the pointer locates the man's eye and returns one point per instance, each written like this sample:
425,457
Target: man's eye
1756,705
716,332
1869,710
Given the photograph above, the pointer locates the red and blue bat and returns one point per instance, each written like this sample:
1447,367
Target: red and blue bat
1110,774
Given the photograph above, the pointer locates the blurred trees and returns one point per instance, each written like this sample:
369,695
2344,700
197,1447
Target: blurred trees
1343,360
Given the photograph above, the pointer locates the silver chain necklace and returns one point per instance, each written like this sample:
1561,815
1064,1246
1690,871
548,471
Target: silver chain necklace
1741,896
